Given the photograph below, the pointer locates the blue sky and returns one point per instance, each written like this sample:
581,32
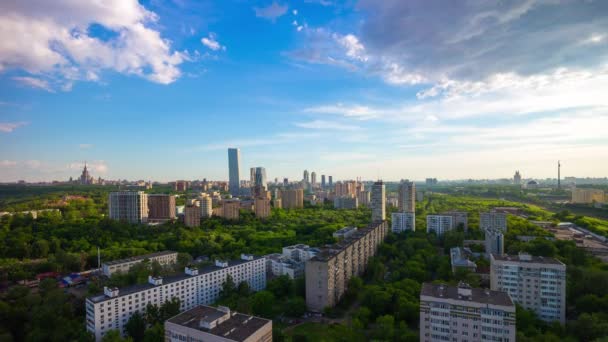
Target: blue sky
393,89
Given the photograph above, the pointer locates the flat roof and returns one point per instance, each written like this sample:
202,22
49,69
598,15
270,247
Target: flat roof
238,327
532,259
125,291
326,253
139,257
483,296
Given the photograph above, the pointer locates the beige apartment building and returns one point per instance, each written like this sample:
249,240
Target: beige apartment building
588,196
130,206
124,265
231,209
192,215
328,273
262,207
292,198
407,197
209,324
464,314
534,282
161,207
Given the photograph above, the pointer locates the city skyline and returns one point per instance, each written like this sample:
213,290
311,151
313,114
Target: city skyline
371,89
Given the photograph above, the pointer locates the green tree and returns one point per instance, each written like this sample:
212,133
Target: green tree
136,327
262,304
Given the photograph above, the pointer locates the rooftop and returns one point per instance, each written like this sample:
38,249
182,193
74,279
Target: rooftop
477,295
527,258
330,251
139,257
236,326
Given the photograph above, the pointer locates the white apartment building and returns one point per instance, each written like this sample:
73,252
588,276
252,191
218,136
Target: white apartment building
401,222
460,218
493,220
112,309
206,202
464,314
300,252
124,265
291,261
536,283
494,242
407,196
131,206
439,224
378,202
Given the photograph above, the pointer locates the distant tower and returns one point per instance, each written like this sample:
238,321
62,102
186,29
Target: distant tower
559,166
378,202
517,178
306,179
234,161
85,177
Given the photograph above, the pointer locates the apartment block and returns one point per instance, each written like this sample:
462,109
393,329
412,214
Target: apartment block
459,259
407,196
346,202
328,273
197,286
192,215
344,233
493,220
588,196
534,282
364,197
292,198
401,222
439,224
206,203
231,209
124,265
161,207
464,314
130,206
262,207
211,324
494,242
291,261
460,218
378,202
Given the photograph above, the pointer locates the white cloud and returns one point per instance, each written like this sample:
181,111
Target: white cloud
56,40
212,43
295,12
349,111
271,12
8,127
327,125
95,166
34,82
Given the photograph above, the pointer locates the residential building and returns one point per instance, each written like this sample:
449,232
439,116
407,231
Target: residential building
209,324
431,181
292,198
124,265
290,262
494,242
439,224
234,162
407,196
197,286
493,220
364,197
192,215
181,185
328,273
322,181
262,207
460,219
378,202
344,233
517,178
313,179
206,202
231,209
277,203
534,282
331,182
130,206
464,314
346,202
300,252
306,178
459,259
587,196
161,207
401,222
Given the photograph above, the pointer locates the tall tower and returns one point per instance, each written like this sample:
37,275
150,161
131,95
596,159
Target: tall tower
234,161
306,178
559,166
378,202
407,196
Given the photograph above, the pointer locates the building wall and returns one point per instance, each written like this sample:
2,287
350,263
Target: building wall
124,267
401,222
494,242
206,206
459,218
292,198
231,210
378,202
588,196
493,220
439,224
192,216
161,207
262,207
131,206
407,197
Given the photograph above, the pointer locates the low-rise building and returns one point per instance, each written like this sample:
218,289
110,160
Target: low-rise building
439,224
344,233
459,259
124,265
588,196
209,324
401,222
463,314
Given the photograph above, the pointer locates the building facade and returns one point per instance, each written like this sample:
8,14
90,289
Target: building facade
192,215
407,196
112,309
346,202
130,206
210,324
292,198
262,207
364,197
231,209
464,314
460,219
493,220
124,265
588,196
494,242
206,203
378,202
401,222
234,162
328,273
439,224
536,283
161,207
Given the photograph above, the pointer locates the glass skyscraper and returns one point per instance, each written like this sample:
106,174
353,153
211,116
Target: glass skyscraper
234,161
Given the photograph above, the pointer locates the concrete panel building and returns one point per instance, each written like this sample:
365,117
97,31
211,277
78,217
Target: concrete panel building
262,207
124,265
364,197
161,207
192,215
346,202
211,324
536,283
378,202
328,273
206,203
401,222
130,206
439,224
588,196
292,198
464,314
459,218
231,209
494,242
407,196
493,220
344,233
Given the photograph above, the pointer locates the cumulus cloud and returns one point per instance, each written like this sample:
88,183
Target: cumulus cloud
67,41
212,43
271,12
8,127
34,82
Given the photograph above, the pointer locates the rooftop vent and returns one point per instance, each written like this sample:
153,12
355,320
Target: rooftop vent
110,291
221,263
464,290
155,280
525,256
247,257
191,270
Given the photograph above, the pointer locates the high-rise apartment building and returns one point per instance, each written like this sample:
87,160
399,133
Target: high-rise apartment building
306,177
346,202
588,196
464,314
112,309
401,222
328,273
495,242
313,178
378,202
493,220
407,196
364,197
262,207
534,282
180,185
439,224
459,218
234,162
323,181
192,215
206,203
130,206
231,209
331,182
161,207
292,198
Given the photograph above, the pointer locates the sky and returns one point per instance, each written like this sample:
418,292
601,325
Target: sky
392,89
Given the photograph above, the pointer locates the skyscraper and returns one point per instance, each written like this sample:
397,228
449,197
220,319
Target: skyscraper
234,161
331,182
258,177
517,178
313,178
306,178
378,202
407,196
131,206
322,181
